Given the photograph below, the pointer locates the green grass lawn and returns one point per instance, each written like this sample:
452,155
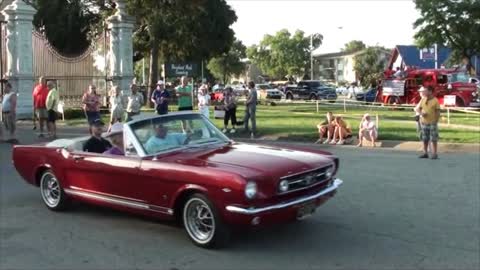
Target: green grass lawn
297,122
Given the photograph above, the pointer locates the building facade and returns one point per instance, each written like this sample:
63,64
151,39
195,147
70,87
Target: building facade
338,67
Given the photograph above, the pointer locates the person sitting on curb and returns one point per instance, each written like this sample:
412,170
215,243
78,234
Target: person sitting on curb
367,130
341,131
326,128
116,138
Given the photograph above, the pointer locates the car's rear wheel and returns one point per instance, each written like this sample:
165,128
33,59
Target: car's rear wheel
313,97
52,192
203,223
289,96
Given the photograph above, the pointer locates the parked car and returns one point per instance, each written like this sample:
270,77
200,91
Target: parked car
369,96
266,91
312,90
195,175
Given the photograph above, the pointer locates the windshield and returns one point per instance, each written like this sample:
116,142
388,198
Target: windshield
458,77
167,133
316,85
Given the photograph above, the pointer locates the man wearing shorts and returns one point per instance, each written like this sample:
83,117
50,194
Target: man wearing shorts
40,94
52,107
429,110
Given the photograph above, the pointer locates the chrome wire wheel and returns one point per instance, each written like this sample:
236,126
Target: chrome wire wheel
50,189
199,220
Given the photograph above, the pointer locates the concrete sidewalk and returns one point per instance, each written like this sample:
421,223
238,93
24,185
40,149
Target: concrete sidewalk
26,135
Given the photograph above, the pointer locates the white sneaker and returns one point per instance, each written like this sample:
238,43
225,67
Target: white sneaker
325,142
224,130
232,130
341,142
333,142
252,136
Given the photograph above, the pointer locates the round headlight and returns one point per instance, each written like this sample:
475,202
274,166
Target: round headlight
283,187
250,190
330,171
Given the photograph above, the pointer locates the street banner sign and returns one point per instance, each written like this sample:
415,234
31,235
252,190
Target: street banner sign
173,70
427,53
449,100
394,88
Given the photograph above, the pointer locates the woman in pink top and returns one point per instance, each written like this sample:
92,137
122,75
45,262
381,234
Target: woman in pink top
367,130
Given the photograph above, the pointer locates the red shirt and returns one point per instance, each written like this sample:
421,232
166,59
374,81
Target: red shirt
40,94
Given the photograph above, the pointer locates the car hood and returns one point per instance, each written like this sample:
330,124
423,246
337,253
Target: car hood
254,161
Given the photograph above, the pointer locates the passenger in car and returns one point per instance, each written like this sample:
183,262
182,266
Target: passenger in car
97,144
116,138
163,140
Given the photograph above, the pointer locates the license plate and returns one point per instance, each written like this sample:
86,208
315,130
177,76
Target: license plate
306,210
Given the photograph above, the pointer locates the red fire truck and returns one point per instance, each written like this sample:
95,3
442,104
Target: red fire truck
404,89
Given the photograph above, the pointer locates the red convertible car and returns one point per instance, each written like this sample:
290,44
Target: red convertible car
180,166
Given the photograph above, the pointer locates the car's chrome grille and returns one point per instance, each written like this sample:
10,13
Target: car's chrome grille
306,179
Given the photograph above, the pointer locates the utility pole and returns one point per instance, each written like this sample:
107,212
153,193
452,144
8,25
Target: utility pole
311,57
436,56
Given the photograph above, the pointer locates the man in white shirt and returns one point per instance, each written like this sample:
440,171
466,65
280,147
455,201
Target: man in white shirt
135,102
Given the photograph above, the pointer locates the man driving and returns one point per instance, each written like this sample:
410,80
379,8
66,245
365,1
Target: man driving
163,140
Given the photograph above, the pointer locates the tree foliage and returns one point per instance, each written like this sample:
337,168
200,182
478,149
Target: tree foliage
368,66
455,24
354,46
181,30
284,54
70,25
229,63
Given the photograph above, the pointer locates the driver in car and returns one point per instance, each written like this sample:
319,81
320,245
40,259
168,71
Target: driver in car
163,140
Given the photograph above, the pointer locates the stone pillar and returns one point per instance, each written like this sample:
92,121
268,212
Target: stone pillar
121,47
19,17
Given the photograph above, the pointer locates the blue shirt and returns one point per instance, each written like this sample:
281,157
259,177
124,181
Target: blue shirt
162,106
156,144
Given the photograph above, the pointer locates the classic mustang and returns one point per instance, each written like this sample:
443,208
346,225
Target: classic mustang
180,166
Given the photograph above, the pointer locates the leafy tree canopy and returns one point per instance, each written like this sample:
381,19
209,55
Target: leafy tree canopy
284,54
354,46
455,24
70,24
369,66
228,64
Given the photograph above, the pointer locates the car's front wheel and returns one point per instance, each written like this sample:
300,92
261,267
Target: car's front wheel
203,223
52,192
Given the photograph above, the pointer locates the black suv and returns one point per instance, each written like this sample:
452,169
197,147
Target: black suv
311,90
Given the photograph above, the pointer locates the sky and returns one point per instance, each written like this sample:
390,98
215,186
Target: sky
376,22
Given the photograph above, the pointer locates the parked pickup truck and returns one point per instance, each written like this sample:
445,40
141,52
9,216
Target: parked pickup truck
311,90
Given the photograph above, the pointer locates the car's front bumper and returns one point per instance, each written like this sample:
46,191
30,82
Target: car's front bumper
277,213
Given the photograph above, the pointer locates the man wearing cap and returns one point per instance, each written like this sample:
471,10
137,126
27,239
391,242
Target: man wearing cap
116,138
160,97
184,94
97,144
429,110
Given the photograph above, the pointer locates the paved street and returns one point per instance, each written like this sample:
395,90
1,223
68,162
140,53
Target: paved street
394,211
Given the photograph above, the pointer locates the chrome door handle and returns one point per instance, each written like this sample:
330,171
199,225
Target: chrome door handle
77,158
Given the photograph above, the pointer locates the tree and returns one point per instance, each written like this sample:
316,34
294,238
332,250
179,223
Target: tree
70,25
229,63
354,46
454,24
368,66
284,54
181,30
